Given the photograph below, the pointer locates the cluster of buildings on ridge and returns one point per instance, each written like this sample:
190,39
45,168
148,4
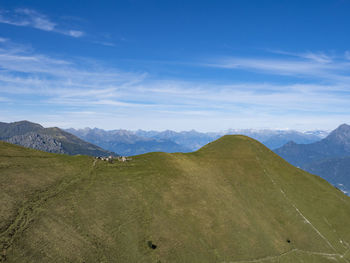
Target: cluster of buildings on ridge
111,158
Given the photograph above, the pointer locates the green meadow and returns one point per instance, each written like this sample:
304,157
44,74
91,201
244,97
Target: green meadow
232,201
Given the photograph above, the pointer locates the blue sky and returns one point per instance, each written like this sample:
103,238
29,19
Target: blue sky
181,65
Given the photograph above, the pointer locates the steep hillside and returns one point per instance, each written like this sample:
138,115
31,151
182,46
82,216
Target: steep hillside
52,140
232,201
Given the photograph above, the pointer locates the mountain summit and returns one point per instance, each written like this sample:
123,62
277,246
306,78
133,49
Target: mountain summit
336,144
233,200
328,158
340,136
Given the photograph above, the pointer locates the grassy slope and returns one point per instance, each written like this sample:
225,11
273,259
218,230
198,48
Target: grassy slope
232,201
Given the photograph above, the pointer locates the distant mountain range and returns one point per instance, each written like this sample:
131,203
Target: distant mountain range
276,138
54,140
320,153
124,142
270,138
328,158
127,142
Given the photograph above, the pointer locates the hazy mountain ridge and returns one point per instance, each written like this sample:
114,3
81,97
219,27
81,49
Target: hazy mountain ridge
52,140
269,137
128,142
327,158
277,138
193,140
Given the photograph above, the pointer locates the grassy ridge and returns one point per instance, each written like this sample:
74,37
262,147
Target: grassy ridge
232,201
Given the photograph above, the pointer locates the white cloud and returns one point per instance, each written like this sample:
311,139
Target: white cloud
275,66
35,19
3,99
31,18
307,65
347,55
75,33
319,57
104,43
114,98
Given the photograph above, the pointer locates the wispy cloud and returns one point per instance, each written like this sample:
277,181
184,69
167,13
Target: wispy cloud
347,55
275,66
111,97
74,33
308,64
2,39
319,57
31,18
3,99
105,43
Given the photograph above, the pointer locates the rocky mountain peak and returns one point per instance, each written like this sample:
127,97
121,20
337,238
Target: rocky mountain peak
341,135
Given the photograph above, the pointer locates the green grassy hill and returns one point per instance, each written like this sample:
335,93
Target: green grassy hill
232,201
